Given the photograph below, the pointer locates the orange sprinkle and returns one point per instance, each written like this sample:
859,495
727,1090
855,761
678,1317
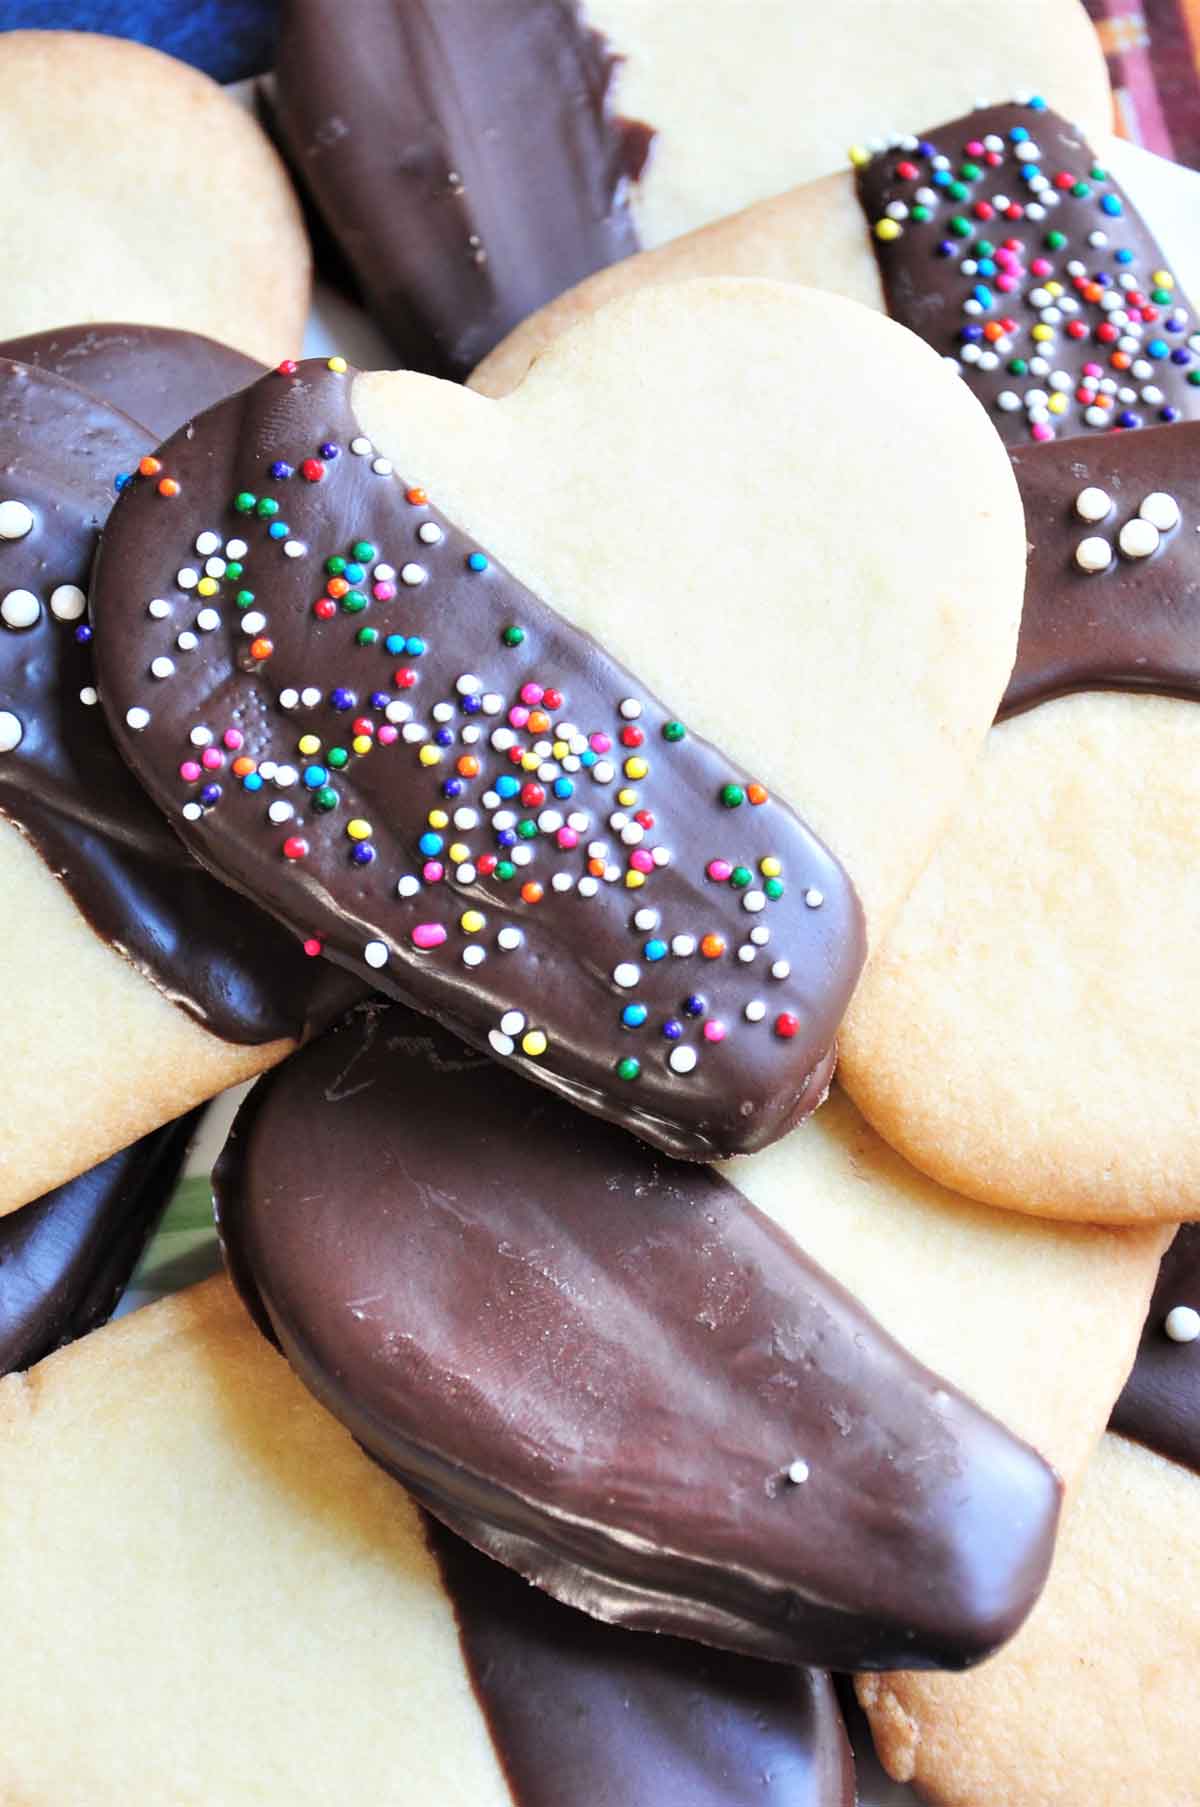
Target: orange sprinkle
468,766
532,892
168,487
1120,360
596,868
757,793
539,721
993,331
243,767
417,497
712,947
261,649
337,587
149,467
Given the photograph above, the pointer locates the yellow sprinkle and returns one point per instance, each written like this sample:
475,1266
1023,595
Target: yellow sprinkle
859,155
626,797
636,768
362,743
430,755
634,880
358,830
560,749
437,818
888,229
770,867
308,744
338,366
208,586
1057,403
1163,279
1054,288
471,921
459,851
534,1043
530,762
1041,333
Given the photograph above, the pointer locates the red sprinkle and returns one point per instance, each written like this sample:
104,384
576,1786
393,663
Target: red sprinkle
295,847
787,1025
312,470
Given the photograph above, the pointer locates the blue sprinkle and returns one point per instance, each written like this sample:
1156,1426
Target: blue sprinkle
1129,419
470,705
983,295
1019,134
1181,355
414,646
969,334
430,844
655,950
506,837
1157,348
83,633
453,787
672,1030
942,178
315,776
364,853
1168,413
477,562
395,643
122,480
507,785
589,758
695,1005
342,699
252,782
1123,257
210,795
444,737
947,248
354,574
1111,204
634,1015
329,450
279,530
563,788
986,267
281,471
1037,103
380,699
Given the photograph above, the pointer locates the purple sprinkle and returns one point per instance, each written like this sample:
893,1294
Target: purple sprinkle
363,854
281,471
210,795
672,1029
83,633
329,450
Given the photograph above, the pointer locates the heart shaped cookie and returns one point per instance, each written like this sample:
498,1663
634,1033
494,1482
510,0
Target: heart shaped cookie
381,730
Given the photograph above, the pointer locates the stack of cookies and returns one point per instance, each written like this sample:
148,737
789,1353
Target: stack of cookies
685,790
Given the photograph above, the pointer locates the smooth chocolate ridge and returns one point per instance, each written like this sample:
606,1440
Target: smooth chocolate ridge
603,1367
605,959
583,1714
467,161
1067,257
1136,624
65,785
65,1259
1160,1404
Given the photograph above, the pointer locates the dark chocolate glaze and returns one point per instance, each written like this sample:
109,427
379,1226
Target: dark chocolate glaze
589,1715
928,288
1160,1405
465,158
1136,625
65,785
66,1258
155,375
599,1366
583,958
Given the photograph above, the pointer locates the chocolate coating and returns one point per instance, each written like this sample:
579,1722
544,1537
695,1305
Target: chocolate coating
1136,625
583,1714
1037,266
1160,1405
599,1366
465,159
66,1258
155,375
438,684
65,785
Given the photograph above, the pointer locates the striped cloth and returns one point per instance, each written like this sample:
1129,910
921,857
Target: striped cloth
1153,50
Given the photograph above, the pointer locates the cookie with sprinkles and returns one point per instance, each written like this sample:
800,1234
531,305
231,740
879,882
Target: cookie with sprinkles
198,987
676,1421
380,732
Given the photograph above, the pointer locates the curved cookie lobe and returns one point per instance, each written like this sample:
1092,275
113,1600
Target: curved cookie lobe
582,1713
1003,242
1112,601
65,1259
612,1372
380,735
465,159
63,782
1160,1405
157,376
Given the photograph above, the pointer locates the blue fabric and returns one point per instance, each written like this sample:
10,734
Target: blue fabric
229,39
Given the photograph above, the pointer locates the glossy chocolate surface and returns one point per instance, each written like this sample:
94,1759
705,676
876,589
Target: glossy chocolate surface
1135,624
426,769
65,1259
64,784
155,375
465,158
1160,1405
583,1714
601,1366
1034,273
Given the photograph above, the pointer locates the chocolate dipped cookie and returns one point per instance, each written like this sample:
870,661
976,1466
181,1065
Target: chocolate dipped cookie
472,162
352,1650
382,730
135,943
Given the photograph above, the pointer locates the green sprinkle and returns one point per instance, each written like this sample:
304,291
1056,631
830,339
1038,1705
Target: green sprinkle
335,566
740,877
958,191
674,731
233,570
984,247
527,828
732,796
1080,190
244,502
338,757
363,551
367,636
970,172
1162,296
921,212
325,799
629,1068
354,602
1017,366
244,598
774,888
1194,378
267,507
513,636
1097,174
960,227
1056,240
505,869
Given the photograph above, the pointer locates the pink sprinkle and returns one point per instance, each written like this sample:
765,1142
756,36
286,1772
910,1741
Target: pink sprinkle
1007,282
1093,370
387,734
719,870
211,759
312,947
232,739
975,148
1008,260
433,871
517,716
428,935
599,743
189,771
714,1031
1041,266
567,837
384,592
1042,430
641,861
532,694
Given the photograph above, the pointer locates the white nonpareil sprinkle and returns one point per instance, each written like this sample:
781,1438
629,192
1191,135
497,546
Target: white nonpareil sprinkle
236,549
781,969
137,719
208,621
360,446
158,609
187,578
202,737
468,684
1138,539
682,1060
413,574
683,946
500,1044
294,549
626,975
1182,1324
162,667
382,467
631,708
798,1473
509,938
474,955
11,731
814,898
280,811
1093,504
19,609
208,542
408,886
1160,509
310,696
67,602
253,622
16,520
187,641
754,901
89,696
375,953
191,812
512,1022
1093,554
755,1011
429,533
645,920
